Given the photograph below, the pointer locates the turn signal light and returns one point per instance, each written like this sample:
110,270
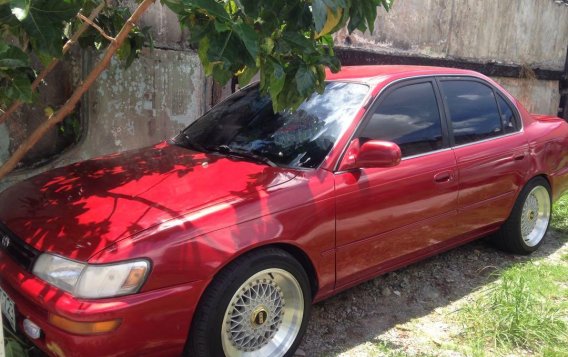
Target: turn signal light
83,328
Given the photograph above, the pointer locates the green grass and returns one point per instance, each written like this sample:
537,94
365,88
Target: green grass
560,215
526,309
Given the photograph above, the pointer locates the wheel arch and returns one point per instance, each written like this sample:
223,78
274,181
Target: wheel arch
531,176
542,175
303,259
296,252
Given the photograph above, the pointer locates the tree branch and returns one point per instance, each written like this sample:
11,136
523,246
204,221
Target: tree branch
16,105
68,107
95,26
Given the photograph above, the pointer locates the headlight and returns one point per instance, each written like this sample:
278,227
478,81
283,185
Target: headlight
92,281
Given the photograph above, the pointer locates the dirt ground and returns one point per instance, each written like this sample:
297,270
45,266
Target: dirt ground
410,312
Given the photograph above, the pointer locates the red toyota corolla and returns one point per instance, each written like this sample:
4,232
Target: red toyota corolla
217,242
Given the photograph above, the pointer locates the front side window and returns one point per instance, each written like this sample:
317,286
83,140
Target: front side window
246,124
408,116
473,110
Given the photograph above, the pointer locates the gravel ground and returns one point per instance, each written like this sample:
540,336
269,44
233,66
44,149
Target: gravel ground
410,312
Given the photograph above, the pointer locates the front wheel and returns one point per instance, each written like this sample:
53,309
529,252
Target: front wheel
524,230
257,306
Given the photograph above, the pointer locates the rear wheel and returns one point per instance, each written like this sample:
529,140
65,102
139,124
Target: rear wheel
524,230
257,306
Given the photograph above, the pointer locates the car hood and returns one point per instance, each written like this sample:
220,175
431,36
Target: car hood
80,209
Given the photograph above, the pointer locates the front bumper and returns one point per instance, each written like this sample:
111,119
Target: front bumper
153,323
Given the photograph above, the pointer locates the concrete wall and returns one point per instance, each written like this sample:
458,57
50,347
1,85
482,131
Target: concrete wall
531,33
151,101
536,95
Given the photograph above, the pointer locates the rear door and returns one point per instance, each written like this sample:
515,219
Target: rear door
491,151
388,216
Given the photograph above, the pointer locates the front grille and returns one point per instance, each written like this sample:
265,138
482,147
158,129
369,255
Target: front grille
15,248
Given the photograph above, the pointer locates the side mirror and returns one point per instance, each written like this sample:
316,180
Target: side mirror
372,153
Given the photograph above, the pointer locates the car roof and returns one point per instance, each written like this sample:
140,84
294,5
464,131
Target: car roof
384,72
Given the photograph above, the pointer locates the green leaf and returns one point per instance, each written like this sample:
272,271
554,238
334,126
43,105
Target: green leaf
20,8
298,40
319,10
240,5
212,7
176,6
251,7
335,4
20,89
124,50
247,75
12,57
202,51
277,80
249,38
305,81
222,26
45,24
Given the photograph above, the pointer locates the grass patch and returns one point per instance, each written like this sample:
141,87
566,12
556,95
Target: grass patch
560,215
526,309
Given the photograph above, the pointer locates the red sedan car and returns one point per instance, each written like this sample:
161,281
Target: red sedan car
217,242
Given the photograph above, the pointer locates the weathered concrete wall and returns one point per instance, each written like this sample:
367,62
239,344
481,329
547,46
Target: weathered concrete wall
520,32
528,32
165,28
155,98
536,95
151,101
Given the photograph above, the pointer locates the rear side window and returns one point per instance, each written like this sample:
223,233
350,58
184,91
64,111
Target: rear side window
507,116
409,117
473,111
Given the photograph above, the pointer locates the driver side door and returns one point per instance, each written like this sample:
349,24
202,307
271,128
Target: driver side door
388,217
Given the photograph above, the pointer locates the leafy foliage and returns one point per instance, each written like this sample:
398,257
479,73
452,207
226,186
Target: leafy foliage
288,42
32,30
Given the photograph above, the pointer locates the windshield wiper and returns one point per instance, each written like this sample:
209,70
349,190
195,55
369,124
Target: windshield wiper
225,149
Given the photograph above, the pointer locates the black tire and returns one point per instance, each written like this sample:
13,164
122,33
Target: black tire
205,337
510,237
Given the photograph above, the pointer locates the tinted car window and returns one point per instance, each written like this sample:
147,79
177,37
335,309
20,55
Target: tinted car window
473,111
246,123
507,116
408,116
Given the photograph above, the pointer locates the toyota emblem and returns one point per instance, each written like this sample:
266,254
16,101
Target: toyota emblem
5,241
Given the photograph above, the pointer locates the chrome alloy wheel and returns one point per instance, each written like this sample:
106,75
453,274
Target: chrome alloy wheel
535,216
264,315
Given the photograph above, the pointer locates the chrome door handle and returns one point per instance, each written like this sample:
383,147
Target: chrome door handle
445,176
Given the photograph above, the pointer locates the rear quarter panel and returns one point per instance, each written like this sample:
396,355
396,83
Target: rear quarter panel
548,145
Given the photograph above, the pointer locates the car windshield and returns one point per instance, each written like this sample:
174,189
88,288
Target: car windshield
245,125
